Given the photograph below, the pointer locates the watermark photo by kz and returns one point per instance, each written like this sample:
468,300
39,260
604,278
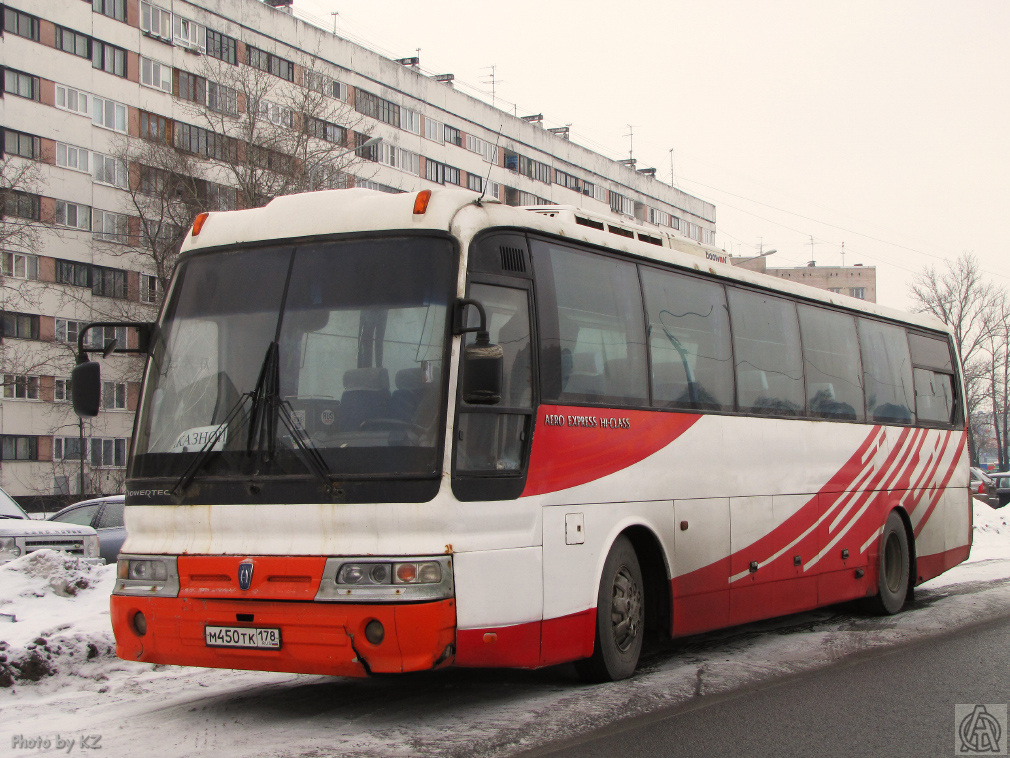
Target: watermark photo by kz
980,729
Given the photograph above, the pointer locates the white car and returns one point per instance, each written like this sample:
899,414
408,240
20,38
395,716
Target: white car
20,535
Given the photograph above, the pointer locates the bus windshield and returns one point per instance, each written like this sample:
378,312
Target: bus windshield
348,337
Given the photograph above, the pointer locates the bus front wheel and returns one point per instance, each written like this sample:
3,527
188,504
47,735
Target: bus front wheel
894,568
620,618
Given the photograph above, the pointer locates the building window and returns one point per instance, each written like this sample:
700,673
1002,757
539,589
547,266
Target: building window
222,99
193,139
19,448
537,170
155,21
21,84
155,128
434,171
155,74
483,148
73,42
112,8
73,100
324,130
221,46
150,288
74,215
858,292
21,387
72,157
111,227
434,130
109,170
21,24
114,395
270,63
67,448
22,205
110,115
107,453
453,136
108,282
20,326
108,58
192,87
452,175
474,182
74,274
410,120
190,34
61,390
21,144
276,114
621,204
67,329
377,108
19,265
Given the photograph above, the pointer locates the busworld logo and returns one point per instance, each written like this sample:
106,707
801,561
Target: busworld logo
981,729
245,571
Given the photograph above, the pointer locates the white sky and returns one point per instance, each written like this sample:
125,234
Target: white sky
883,125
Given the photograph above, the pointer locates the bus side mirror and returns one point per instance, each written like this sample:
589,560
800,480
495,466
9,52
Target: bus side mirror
86,388
483,361
482,372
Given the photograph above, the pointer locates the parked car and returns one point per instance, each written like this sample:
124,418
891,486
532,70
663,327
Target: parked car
997,493
980,482
105,515
20,535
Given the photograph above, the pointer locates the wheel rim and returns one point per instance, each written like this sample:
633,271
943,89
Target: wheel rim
892,562
625,609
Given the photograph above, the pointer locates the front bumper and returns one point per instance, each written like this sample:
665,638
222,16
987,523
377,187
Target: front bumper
316,638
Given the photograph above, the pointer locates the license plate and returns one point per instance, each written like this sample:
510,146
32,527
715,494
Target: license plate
257,638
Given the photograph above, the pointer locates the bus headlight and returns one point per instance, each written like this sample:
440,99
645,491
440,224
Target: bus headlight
386,579
149,576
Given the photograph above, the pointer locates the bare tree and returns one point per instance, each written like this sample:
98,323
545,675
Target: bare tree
962,297
247,136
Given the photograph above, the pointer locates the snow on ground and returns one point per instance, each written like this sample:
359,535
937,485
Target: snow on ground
62,690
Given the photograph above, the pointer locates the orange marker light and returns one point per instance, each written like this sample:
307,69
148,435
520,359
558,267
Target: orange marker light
198,223
421,202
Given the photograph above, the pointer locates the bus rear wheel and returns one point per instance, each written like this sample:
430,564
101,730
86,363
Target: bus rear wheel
620,618
894,569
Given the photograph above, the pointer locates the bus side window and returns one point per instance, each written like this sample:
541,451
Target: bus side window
491,438
933,377
766,340
831,364
688,341
600,345
887,372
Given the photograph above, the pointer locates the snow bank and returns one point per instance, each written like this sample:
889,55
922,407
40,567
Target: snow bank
54,620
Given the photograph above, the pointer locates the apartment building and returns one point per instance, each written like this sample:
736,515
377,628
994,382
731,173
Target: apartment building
856,281
94,91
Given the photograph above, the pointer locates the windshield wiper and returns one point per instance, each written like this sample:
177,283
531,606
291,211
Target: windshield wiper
267,408
205,453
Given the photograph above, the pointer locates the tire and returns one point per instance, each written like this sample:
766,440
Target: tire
620,618
894,569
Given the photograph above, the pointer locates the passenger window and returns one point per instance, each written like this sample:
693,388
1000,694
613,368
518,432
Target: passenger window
934,396
112,516
80,516
689,342
601,340
887,372
933,374
491,438
766,348
831,364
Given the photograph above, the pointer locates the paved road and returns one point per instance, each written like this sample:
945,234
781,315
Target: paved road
896,702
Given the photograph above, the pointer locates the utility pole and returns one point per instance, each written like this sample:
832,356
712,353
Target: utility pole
671,168
631,143
843,255
812,243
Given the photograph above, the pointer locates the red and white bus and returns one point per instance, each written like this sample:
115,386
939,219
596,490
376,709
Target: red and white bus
387,433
